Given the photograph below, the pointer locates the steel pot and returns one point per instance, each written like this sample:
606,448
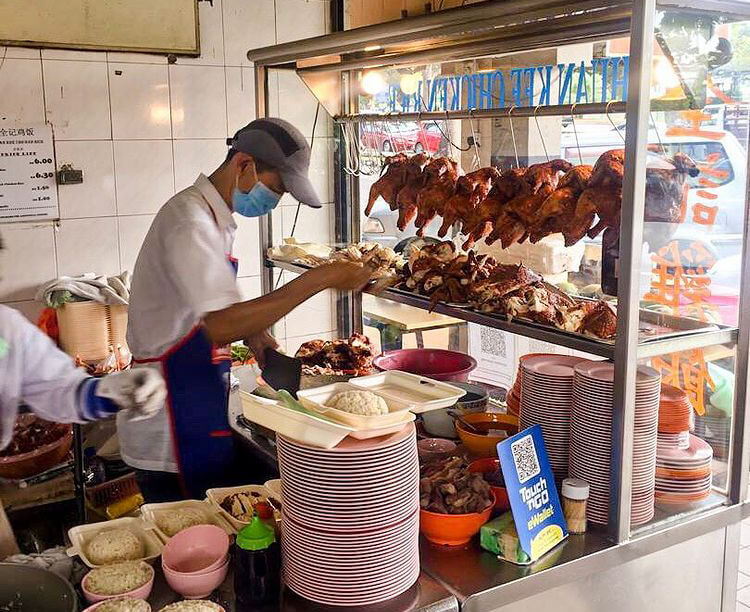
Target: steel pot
32,588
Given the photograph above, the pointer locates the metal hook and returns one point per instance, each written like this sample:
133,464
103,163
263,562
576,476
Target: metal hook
513,135
658,136
575,132
541,136
606,110
476,161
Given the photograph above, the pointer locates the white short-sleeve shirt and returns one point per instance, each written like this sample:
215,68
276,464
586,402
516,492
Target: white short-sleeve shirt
182,272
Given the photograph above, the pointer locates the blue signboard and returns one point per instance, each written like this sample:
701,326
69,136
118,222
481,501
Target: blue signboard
537,512
531,86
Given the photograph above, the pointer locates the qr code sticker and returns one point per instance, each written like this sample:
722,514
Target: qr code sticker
524,457
492,342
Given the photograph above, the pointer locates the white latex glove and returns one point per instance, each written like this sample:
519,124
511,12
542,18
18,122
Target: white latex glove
140,391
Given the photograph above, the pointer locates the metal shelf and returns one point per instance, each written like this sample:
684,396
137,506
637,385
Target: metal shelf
651,348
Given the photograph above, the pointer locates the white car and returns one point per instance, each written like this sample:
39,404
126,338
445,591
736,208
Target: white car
727,168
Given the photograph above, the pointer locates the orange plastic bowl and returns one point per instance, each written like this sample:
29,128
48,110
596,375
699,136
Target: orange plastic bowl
488,465
452,529
485,445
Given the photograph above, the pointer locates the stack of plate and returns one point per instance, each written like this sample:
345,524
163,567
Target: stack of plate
546,399
591,438
675,411
684,475
351,518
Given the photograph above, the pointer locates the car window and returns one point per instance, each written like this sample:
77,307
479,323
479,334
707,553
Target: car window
711,158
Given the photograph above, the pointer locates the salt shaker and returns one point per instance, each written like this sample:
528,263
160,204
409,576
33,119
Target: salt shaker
575,493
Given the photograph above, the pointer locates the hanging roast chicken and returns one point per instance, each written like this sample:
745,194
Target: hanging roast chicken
527,203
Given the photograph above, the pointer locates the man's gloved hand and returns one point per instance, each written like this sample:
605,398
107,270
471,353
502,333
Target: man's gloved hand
141,391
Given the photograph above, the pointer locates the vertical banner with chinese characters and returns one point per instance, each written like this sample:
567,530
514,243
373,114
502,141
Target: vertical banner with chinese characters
28,190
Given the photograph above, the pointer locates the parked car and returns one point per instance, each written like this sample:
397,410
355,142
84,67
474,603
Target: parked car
403,136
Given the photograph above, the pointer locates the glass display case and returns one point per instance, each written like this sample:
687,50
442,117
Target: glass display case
609,145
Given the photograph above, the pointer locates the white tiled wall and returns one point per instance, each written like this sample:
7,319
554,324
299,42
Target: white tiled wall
141,129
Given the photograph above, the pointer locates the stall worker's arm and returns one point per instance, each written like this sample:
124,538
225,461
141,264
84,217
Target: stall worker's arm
205,280
49,383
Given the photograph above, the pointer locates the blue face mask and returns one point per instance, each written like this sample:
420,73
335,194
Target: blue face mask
260,200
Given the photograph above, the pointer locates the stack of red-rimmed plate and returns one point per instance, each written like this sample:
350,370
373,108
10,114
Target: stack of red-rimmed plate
683,475
350,532
546,400
675,410
513,400
591,438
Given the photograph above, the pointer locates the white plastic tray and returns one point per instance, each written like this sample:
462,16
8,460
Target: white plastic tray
216,496
418,393
316,399
291,423
81,535
151,513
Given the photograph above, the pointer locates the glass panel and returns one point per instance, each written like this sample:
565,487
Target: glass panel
692,470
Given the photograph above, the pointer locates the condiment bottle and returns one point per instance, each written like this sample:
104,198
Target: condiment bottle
575,493
257,565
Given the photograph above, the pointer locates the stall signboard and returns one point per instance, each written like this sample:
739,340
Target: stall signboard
28,189
518,87
530,483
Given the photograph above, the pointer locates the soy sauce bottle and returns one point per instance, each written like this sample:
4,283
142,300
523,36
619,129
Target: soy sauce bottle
257,565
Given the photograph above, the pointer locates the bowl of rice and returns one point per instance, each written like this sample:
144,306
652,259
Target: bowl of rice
133,579
195,605
121,604
114,545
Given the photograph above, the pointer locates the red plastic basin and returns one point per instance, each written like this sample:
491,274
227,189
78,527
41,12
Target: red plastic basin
438,364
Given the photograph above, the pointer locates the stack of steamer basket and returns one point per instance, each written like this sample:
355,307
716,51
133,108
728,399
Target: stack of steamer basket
350,533
683,461
591,438
546,399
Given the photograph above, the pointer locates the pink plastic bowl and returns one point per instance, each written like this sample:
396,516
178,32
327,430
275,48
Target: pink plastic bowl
438,364
196,586
142,592
98,605
197,549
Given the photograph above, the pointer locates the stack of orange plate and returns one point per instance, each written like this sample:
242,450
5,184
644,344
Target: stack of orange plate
683,475
683,461
675,410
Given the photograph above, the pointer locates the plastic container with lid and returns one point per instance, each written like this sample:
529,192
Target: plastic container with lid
575,494
257,565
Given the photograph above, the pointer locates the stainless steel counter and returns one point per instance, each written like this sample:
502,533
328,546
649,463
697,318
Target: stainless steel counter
425,596
481,582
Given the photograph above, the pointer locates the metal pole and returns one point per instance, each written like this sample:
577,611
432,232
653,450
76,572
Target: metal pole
594,108
739,449
265,226
457,22
628,286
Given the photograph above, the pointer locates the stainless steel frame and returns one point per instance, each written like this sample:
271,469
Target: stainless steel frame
492,28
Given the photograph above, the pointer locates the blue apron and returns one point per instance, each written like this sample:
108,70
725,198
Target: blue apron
197,377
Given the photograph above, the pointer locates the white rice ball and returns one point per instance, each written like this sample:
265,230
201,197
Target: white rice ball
113,545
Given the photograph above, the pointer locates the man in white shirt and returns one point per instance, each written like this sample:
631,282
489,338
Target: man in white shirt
185,303
36,374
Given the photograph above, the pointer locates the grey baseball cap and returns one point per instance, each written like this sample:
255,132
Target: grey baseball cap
283,147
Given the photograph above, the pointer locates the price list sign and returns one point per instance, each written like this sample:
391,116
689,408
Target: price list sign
28,190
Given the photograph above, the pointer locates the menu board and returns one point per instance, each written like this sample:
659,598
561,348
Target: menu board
28,189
